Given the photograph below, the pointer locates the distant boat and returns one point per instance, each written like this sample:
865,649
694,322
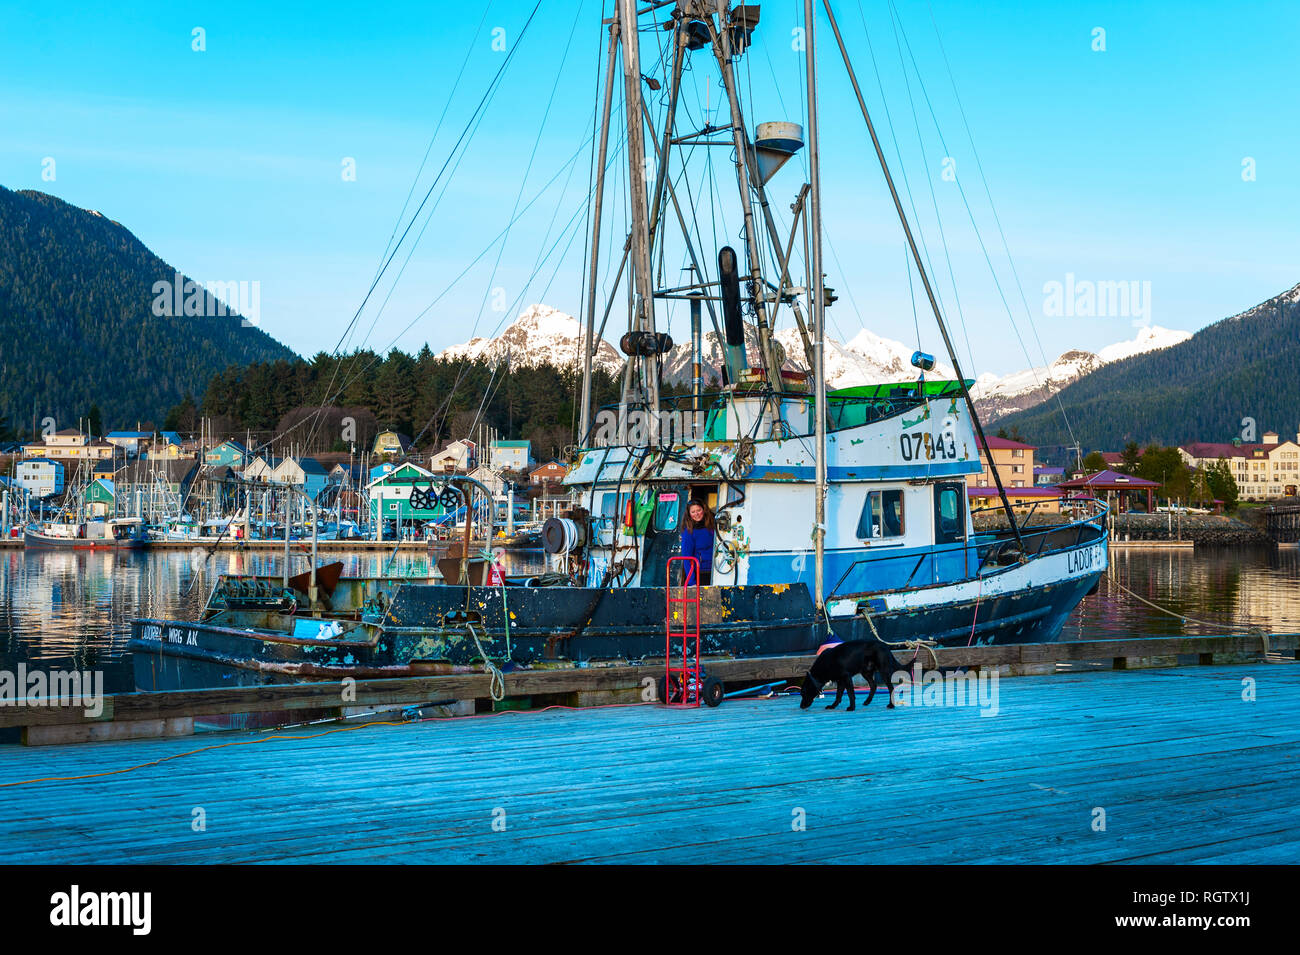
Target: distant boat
126,533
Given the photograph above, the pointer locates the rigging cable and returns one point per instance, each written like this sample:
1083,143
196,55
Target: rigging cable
997,220
470,125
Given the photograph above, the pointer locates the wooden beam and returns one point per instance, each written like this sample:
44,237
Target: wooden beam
180,704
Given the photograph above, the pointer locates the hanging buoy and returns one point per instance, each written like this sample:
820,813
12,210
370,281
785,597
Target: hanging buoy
629,514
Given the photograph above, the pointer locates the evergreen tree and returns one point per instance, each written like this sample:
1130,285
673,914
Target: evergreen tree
1093,461
1129,458
1222,484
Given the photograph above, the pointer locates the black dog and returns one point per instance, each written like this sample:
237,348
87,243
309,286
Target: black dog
845,660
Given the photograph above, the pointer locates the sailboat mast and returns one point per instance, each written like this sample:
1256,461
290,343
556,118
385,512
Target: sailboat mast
817,288
598,199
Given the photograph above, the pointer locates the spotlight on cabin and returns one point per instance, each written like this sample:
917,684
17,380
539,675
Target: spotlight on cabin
922,361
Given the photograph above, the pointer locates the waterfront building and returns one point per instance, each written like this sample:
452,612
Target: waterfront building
228,453
101,496
130,442
1014,461
552,472
1269,469
511,456
40,477
69,445
390,495
1047,475
1046,499
306,473
459,456
1116,489
391,444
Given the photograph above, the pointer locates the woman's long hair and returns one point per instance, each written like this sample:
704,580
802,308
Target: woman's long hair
707,520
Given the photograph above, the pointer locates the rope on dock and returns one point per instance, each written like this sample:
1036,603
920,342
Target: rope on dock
192,752
496,679
915,645
345,729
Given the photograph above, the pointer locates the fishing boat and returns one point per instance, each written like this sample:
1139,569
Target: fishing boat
123,533
838,513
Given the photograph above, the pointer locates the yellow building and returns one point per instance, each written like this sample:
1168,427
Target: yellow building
1263,471
391,444
69,445
1015,463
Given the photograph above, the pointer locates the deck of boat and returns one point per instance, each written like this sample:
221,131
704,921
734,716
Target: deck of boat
1185,770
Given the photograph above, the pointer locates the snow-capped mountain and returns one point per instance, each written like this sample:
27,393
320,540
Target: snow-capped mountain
544,335
1149,338
867,359
541,335
996,396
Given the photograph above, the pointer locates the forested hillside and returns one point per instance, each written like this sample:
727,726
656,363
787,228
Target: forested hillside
77,323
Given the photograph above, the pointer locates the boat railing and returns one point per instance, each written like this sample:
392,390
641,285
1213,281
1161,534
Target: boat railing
1001,550
1081,509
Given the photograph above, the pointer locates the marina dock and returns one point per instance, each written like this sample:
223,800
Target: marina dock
1184,769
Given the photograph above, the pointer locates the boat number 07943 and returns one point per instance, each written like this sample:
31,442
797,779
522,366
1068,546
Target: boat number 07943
941,445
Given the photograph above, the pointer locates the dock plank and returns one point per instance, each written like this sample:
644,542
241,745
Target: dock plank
1186,771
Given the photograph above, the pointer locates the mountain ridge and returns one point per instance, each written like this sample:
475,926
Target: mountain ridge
998,396
79,323
1232,376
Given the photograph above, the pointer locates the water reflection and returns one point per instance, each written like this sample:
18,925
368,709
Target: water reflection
71,609
1214,591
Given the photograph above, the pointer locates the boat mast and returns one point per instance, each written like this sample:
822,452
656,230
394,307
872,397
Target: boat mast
722,48
925,279
598,199
643,298
817,291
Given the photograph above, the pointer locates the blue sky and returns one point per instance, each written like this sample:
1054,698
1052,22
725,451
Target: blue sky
1117,165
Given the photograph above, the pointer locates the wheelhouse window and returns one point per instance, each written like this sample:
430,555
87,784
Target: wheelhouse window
611,505
950,513
882,516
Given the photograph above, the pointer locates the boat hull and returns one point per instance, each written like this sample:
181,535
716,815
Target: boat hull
37,541
425,631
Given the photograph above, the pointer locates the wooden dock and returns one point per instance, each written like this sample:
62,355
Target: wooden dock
1184,769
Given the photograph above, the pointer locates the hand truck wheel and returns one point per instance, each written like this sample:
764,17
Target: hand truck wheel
713,691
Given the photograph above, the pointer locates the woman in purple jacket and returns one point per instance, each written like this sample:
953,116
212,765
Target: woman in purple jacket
697,542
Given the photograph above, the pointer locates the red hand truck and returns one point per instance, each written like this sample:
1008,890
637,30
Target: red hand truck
681,684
